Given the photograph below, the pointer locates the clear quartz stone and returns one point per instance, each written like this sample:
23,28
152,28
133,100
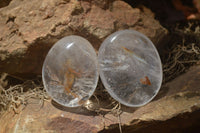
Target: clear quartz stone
70,71
130,68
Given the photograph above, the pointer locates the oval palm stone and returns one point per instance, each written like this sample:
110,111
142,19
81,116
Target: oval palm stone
130,67
70,71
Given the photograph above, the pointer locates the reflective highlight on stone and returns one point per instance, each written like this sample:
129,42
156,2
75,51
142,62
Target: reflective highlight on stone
130,68
70,72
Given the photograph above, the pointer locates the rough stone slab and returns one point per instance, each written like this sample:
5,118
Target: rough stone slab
30,28
177,99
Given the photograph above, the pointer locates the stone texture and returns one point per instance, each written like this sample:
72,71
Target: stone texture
30,28
175,109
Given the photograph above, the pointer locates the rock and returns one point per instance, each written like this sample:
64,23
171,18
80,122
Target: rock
176,108
30,28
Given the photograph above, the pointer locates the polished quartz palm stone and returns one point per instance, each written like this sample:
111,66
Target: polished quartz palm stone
130,68
70,72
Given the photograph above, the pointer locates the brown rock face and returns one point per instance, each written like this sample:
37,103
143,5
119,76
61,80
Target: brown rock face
30,28
175,109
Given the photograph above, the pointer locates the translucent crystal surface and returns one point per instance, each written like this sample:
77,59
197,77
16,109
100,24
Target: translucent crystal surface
130,67
70,72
